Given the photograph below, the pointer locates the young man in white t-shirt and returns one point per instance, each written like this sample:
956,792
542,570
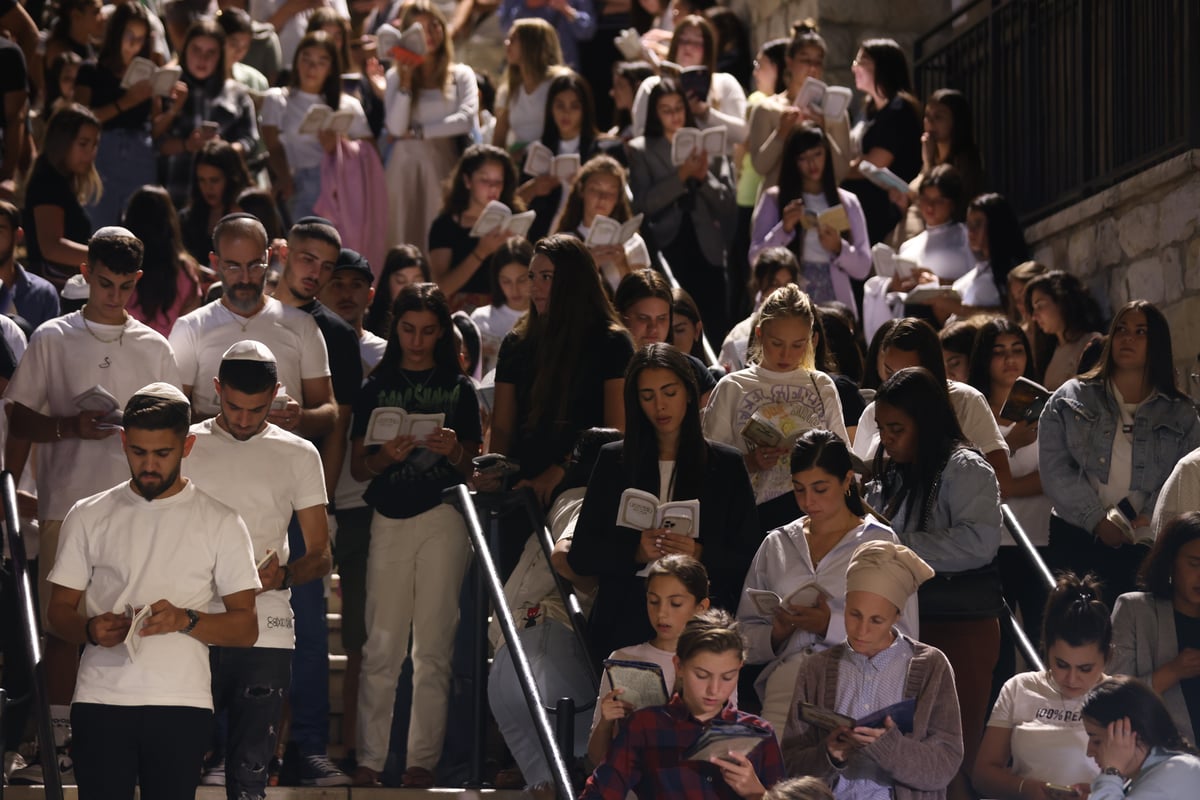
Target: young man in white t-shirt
244,312
266,475
143,704
349,294
74,366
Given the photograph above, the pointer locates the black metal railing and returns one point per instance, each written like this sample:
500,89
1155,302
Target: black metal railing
1069,96
27,609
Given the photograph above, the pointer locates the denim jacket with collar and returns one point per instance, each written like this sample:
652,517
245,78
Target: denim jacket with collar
1075,437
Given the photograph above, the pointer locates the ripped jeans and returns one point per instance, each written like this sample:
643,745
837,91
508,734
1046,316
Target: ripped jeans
249,683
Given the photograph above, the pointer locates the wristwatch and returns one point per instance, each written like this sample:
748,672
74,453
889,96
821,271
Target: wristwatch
1113,771
286,583
193,618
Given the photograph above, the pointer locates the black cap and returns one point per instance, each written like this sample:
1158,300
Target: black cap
353,260
312,220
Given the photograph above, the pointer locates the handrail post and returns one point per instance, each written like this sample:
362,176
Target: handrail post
1019,536
33,649
1028,651
460,497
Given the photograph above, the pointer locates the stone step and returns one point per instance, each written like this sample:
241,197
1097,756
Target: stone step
290,793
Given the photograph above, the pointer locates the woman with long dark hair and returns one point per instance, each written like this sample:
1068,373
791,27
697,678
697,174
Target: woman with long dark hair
1107,441
170,282
404,264
1067,326
218,176
664,453
601,188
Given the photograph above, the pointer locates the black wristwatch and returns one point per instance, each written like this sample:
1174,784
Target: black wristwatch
1113,771
193,618
286,583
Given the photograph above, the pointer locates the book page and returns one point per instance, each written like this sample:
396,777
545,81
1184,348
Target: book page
134,639
765,601
760,432
686,141
605,231
630,44
926,293
538,160
314,119
714,140
565,166
883,258
495,214
836,101
139,69
811,94
385,424
413,39
824,718
339,122
642,681
630,228
637,510
165,79
421,425
882,177
835,218
805,597
97,398
519,224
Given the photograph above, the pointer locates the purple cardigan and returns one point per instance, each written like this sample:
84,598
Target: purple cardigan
853,262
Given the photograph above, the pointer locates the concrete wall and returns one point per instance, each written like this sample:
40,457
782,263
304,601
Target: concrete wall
845,23
1138,240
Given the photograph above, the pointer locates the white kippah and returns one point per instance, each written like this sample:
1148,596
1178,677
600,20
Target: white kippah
76,288
112,230
162,390
249,350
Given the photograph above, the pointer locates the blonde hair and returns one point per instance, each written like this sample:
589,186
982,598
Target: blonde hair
540,54
434,72
572,215
786,302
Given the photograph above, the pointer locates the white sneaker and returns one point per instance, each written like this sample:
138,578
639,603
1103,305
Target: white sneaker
31,774
214,774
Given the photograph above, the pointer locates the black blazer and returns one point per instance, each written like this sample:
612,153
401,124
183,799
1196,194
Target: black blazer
728,532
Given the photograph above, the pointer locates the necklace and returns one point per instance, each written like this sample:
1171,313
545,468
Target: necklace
119,338
417,386
236,318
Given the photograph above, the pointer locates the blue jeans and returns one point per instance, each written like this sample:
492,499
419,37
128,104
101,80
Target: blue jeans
309,693
307,189
126,161
249,683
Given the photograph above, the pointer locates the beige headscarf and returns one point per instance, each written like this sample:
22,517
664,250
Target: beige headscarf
887,569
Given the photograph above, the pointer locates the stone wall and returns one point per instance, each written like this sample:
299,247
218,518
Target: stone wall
845,23
1138,240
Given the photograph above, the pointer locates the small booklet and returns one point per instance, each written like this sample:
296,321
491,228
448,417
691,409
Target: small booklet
607,231
540,160
764,431
901,714
695,80
688,140
405,47
280,401
641,511
721,738
642,681
386,423
882,177
629,42
767,601
834,217
100,399
497,216
143,69
133,639
321,117
890,265
829,101
1025,402
924,294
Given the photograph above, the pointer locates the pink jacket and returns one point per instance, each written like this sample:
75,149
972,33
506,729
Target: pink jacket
354,198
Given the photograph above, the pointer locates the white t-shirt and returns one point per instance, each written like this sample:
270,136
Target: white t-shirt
1032,511
943,249
202,337
292,31
188,549
1048,740
494,323
285,108
349,492
527,114
814,253
264,479
14,337
974,417
63,361
978,288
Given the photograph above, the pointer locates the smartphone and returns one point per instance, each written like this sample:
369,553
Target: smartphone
1126,509
682,525
210,129
1057,792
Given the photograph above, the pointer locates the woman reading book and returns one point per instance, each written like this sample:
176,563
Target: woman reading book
900,756
795,590
666,455
697,746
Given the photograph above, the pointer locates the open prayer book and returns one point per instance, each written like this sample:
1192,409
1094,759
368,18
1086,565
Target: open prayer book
767,601
386,423
642,681
607,231
889,265
695,80
834,217
100,399
540,160
143,69
721,738
629,42
496,216
641,511
405,47
882,177
829,101
924,294
134,639
763,430
688,140
901,714
321,117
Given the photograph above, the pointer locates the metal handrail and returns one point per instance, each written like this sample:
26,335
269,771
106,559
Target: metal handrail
1022,539
33,648
1028,651
460,497
709,353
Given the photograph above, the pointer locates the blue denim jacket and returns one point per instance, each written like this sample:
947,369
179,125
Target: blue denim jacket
1075,437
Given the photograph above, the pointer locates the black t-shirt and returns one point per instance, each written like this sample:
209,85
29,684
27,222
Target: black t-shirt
896,128
536,447
1187,634
345,361
704,379
48,187
14,76
446,232
415,485
853,404
106,89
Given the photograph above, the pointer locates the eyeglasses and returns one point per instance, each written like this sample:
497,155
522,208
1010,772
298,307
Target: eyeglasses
253,268
690,42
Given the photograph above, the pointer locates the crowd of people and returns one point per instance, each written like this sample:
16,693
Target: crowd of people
622,247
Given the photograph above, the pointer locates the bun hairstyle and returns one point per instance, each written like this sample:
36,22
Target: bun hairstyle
826,450
1076,615
804,34
714,631
685,569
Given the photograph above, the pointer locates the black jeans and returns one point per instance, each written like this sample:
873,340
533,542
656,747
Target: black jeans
1079,551
250,684
116,748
